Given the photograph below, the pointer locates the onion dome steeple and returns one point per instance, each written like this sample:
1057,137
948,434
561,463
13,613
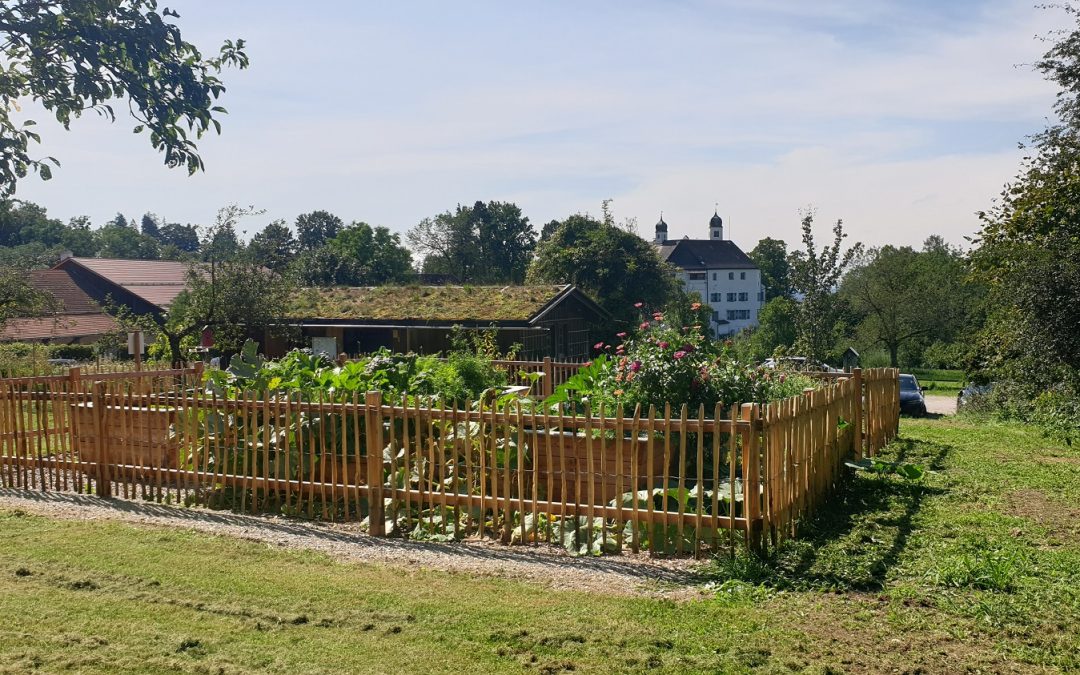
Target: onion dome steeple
716,226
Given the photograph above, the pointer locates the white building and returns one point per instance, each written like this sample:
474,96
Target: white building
718,271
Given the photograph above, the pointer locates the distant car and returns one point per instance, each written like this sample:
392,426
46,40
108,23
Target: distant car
800,363
912,401
970,393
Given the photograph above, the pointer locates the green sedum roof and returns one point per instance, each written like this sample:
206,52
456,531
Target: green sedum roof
425,303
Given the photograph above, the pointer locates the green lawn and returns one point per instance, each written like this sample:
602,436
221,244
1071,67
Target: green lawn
977,567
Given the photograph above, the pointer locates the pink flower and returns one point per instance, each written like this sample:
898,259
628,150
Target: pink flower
638,304
696,306
680,354
657,316
620,335
644,325
663,345
635,366
598,345
588,363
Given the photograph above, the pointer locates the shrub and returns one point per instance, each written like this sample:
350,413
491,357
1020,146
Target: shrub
77,352
665,362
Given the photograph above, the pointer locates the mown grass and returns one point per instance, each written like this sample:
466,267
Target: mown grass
976,567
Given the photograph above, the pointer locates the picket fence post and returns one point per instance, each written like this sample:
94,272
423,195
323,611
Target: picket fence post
858,421
374,429
101,445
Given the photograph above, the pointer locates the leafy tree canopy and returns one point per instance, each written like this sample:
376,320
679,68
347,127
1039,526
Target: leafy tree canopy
488,242
616,267
316,228
771,257
815,275
71,57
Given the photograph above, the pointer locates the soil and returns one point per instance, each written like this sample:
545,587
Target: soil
1061,519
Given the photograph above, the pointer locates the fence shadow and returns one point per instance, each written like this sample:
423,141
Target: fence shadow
855,538
263,527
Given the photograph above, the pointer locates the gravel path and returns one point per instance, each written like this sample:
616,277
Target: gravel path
625,574
941,405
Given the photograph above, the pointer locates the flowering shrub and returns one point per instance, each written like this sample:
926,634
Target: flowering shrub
664,363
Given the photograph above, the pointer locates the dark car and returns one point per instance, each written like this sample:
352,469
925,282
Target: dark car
912,401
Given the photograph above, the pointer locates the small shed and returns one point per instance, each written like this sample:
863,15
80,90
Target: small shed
546,320
850,359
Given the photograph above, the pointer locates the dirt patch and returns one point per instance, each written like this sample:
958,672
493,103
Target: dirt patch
1058,459
1061,519
840,639
627,574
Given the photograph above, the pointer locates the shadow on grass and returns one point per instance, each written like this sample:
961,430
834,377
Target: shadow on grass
854,539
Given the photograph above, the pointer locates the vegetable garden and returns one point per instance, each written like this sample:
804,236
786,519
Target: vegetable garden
661,443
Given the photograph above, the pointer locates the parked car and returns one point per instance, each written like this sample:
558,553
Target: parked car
971,393
912,401
800,363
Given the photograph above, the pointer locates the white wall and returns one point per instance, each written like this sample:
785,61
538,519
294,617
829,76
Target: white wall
719,281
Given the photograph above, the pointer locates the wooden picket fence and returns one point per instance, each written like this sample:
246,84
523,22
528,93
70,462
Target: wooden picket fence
666,480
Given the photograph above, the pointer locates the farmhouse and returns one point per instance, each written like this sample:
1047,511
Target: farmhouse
718,271
555,321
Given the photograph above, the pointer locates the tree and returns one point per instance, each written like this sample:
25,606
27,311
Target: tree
17,297
80,238
506,241
1029,245
234,298
616,267
771,257
448,244
220,241
274,247
316,228
121,241
149,226
775,329
907,296
184,238
27,223
815,275
71,57
488,243
373,255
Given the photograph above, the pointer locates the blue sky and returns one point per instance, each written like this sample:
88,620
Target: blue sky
902,118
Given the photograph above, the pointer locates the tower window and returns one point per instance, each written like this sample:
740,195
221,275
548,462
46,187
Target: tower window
731,275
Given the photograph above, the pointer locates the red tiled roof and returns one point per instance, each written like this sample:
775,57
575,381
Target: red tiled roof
156,281
59,327
60,285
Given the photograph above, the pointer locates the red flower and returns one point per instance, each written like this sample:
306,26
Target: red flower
696,306
635,366
663,345
680,354
644,325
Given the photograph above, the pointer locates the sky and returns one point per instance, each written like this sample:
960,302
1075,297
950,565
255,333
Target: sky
901,117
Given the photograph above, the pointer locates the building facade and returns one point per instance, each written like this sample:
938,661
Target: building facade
719,272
